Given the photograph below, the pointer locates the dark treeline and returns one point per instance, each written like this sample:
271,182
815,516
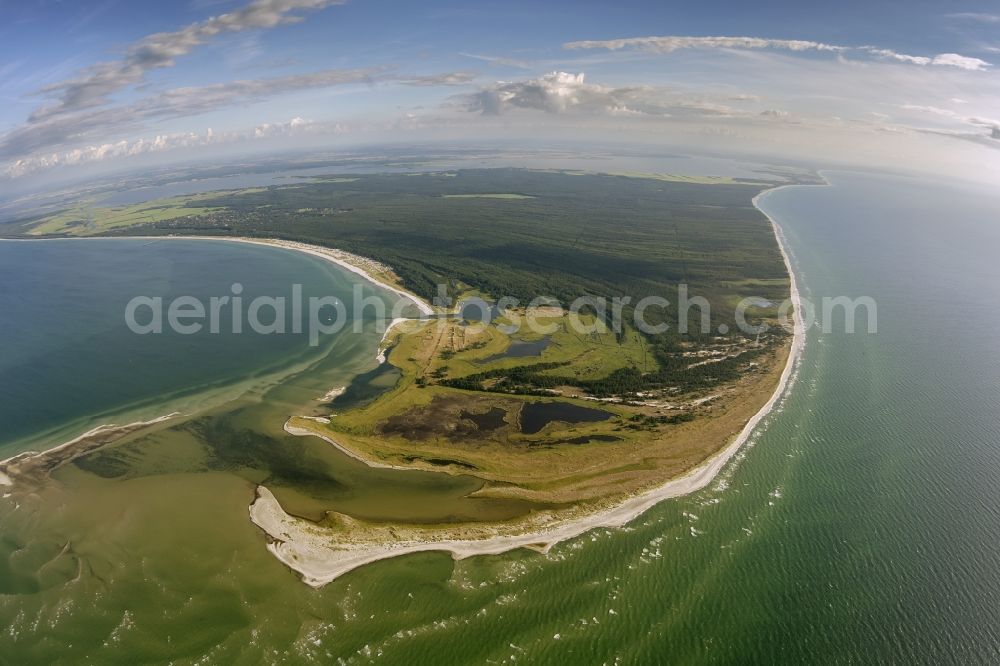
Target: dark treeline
581,235
573,235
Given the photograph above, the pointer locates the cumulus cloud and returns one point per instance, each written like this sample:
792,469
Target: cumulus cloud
669,44
98,152
162,143
960,61
562,92
92,86
294,125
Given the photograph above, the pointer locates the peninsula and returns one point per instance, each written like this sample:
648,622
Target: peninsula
587,418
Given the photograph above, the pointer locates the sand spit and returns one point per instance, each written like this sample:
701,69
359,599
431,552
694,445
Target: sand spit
320,555
34,465
382,347
335,392
305,432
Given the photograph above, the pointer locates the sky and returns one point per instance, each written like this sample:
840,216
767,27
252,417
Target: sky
87,85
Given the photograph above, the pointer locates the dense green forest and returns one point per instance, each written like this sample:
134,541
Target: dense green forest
565,235
523,234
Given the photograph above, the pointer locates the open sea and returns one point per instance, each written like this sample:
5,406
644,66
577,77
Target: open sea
860,524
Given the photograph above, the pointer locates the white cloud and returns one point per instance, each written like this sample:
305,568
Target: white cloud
99,152
61,134
97,124
497,60
988,123
933,110
960,61
562,92
978,122
978,17
92,85
280,129
446,79
900,57
669,44
161,143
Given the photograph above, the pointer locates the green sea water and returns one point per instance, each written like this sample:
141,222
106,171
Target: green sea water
860,524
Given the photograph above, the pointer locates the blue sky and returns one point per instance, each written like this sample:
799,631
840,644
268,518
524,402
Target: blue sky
106,81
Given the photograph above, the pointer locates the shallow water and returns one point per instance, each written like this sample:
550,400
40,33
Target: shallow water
859,525
70,361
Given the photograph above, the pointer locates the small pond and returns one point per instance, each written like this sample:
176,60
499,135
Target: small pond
519,349
486,421
537,415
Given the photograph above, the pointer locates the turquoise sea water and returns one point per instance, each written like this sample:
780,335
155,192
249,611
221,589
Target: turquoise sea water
859,525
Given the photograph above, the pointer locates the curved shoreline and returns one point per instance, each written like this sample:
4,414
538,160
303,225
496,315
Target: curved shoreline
341,258
312,552
26,462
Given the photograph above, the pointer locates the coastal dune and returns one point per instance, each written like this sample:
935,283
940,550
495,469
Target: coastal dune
321,555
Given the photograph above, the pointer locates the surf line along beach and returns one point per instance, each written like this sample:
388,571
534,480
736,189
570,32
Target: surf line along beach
320,556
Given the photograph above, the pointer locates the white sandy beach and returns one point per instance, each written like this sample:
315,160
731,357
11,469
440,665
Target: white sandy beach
313,553
304,432
349,262
382,348
335,392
